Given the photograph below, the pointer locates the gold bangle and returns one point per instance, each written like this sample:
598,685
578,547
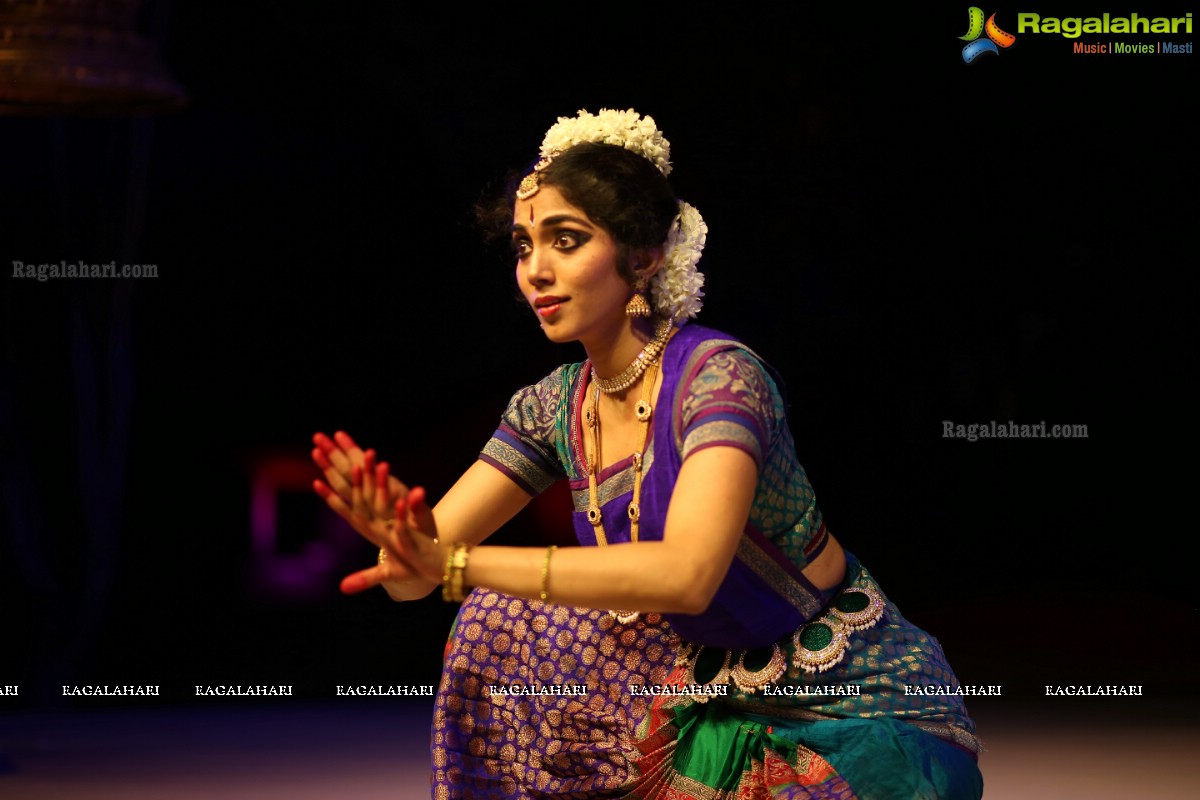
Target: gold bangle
452,575
460,567
545,593
382,557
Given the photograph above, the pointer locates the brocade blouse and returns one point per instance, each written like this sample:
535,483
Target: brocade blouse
719,394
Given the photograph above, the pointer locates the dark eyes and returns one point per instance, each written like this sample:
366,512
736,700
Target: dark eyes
564,240
569,240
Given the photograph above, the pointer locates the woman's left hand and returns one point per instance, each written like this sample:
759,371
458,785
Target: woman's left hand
409,548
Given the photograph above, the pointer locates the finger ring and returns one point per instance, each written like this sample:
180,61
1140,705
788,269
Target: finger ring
390,523
382,556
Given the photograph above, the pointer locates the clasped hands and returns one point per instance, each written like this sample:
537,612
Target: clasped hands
383,511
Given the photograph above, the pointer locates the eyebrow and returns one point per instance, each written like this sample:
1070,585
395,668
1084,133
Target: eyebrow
560,218
556,219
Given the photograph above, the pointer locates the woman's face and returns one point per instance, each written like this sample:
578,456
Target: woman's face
567,270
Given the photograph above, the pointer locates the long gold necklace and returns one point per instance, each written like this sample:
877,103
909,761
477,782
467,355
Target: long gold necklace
648,371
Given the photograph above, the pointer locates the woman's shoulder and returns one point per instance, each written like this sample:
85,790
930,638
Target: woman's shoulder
694,336
726,394
551,389
561,376
724,373
703,347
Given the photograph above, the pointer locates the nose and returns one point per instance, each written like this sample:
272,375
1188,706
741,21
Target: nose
539,270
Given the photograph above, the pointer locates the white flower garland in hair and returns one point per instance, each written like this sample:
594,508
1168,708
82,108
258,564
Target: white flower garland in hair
676,287
675,290
627,129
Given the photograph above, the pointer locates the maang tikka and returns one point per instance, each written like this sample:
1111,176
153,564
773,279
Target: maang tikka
533,181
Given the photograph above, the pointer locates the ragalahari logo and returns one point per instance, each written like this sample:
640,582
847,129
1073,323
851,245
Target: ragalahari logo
976,27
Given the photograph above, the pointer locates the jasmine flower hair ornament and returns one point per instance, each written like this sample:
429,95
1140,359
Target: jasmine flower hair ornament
676,289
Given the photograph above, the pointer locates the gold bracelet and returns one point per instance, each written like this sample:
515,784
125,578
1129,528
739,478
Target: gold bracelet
446,575
545,593
452,575
460,566
382,557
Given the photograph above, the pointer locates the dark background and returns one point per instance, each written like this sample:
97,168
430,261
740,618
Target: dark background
907,238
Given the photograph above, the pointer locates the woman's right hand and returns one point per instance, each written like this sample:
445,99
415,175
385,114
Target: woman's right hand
353,475
362,491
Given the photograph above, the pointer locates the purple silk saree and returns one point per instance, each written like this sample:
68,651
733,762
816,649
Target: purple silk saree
538,700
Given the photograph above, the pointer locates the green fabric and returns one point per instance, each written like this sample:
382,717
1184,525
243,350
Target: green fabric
881,759
714,747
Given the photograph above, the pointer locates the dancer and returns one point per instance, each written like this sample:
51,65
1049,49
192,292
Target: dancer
710,638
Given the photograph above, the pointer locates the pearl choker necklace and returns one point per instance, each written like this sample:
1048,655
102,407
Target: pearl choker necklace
648,356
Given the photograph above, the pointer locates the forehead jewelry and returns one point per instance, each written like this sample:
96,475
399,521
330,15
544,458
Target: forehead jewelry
533,181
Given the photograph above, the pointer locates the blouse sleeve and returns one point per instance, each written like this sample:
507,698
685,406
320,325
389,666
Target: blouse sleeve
731,401
734,400
525,446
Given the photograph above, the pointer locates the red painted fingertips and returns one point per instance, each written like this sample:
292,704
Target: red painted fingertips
353,584
416,499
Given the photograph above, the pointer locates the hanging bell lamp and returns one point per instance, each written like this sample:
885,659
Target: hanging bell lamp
80,57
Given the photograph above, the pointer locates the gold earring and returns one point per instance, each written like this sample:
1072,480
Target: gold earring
637,305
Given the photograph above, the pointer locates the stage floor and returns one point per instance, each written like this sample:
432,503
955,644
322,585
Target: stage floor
369,752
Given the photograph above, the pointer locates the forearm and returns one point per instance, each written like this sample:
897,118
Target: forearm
474,507
648,576
477,505
679,574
